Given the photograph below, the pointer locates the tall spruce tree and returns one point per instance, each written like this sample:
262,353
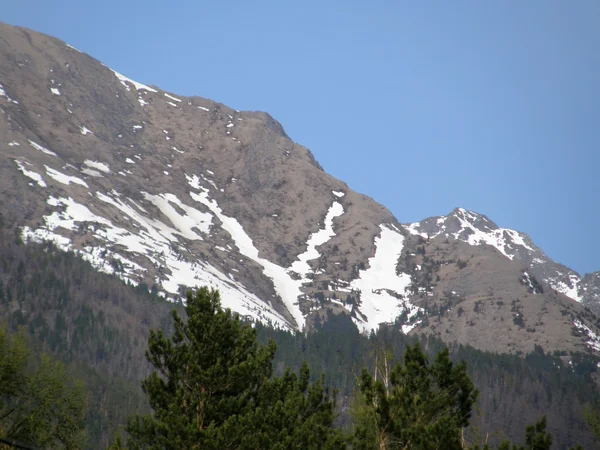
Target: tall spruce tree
212,389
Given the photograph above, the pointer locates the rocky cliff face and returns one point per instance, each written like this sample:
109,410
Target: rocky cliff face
178,192
589,291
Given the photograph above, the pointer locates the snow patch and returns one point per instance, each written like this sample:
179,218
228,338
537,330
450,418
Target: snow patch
172,98
76,213
413,228
64,179
318,238
287,288
85,131
338,194
193,181
379,281
4,94
124,80
97,165
31,174
55,91
41,149
528,282
212,183
594,339
91,172
73,48
570,288
185,224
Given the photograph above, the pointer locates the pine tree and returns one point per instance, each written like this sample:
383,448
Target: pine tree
212,389
424,406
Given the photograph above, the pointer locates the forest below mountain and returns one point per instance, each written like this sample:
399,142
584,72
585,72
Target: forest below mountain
99,327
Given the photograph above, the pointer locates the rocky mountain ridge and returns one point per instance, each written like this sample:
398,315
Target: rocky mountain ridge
178,192
477,229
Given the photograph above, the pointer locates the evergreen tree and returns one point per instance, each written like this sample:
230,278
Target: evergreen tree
289,412
423,406
211,389
38,404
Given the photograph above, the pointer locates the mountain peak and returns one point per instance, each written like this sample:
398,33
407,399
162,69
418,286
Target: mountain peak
476,229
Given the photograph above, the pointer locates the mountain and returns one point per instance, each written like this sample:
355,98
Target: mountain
477,229
480,301
99,326
169,192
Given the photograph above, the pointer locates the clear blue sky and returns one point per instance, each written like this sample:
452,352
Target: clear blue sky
424,106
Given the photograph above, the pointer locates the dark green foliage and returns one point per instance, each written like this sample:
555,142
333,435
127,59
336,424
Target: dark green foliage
39,405
290,412
211,389
422,406
208,371
92,322
99,327
513,390
536,438
592,417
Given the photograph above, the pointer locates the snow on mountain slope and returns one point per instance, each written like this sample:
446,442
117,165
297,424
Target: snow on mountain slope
301,266
382,290
173,192
157,240
153,241
477,229
566,283
127,81
474,229
594,339
287,287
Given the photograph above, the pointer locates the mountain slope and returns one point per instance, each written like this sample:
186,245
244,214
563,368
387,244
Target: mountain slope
477,229
99,327
178,192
